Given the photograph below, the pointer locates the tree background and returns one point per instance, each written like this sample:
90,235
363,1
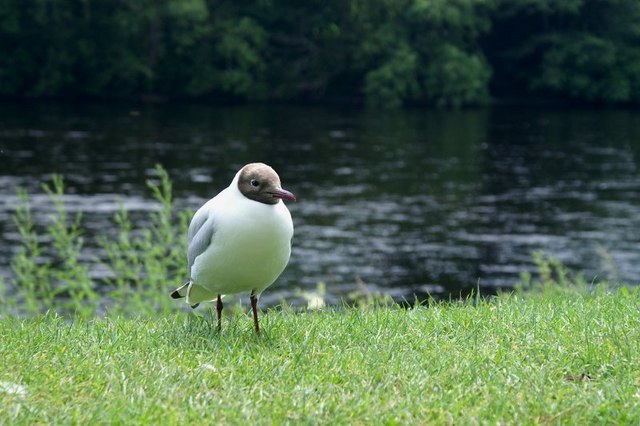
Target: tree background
384,53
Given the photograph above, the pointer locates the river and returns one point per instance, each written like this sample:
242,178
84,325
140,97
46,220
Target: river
407,202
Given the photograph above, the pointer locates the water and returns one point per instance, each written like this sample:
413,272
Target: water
409,202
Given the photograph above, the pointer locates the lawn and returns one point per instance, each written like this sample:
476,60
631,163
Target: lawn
550,357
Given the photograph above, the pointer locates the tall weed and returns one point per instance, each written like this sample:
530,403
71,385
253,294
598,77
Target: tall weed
142,265
50,275
553,277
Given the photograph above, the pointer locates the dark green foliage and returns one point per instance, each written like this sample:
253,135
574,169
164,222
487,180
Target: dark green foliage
585,50
387,53
587,66
456,78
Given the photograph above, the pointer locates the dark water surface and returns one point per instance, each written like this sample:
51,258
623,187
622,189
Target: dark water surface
410,202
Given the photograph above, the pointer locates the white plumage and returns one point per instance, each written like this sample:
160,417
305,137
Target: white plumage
240,240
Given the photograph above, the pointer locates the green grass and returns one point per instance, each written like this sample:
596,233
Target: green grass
552,357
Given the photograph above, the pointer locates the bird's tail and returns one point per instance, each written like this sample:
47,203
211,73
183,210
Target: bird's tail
183,291
194,294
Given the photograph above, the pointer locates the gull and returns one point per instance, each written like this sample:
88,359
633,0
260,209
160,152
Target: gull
239,241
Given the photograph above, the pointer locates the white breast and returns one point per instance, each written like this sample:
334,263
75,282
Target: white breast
249,249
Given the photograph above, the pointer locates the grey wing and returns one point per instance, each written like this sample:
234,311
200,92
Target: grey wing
201,231
198,219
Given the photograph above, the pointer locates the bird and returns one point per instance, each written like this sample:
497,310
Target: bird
239,241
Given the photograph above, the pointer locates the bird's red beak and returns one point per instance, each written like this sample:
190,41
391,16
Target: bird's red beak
284,195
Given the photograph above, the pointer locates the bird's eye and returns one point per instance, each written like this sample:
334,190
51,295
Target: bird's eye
255,183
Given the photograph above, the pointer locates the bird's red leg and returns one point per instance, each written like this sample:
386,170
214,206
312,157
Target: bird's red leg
254,306
219,309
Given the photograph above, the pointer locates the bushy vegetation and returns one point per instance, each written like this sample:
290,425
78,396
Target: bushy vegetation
52,273
386,53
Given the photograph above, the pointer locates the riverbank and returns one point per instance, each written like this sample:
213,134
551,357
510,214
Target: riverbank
556,356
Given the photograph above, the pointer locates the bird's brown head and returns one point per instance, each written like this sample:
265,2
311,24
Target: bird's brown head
261,183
